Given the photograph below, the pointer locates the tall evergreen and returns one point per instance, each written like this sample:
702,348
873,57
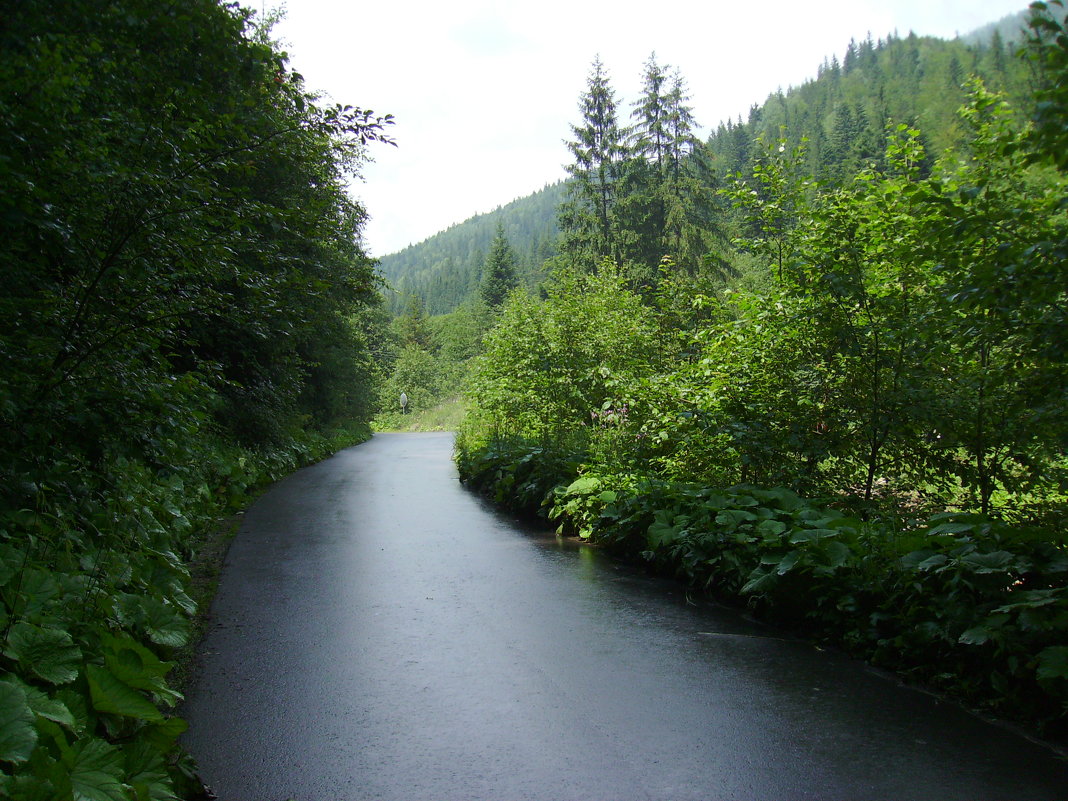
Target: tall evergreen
642,208
499,274
688,184
588,218
650,135
669,183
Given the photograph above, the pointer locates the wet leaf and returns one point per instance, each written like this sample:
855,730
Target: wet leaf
50,654
109,694
1053,663
17,733
96,770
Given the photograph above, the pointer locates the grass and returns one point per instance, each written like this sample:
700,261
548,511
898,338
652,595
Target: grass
445,416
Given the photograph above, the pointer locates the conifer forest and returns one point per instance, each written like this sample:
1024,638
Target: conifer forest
814,363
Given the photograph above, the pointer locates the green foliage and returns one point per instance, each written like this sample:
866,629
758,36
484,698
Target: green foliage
896,350
499,272
429,368
445,269
516,474
421,376
180,323
549,365
1047,48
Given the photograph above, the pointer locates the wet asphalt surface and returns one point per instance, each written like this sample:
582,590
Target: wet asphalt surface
380,633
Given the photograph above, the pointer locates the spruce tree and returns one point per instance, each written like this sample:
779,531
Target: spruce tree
687,186
650,135
588,218
642,209
499,273
412,326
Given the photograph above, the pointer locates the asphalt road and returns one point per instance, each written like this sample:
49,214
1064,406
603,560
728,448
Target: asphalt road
379,633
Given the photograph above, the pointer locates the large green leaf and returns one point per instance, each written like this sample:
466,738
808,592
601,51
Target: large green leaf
146,772
759,581
992,562
134,665
78,705
661,533
584,485
96,771
110,694
48,708
812,535
786,564
923,561
36,589
1053,663
47,653
732,518
17,733
165,624
164,735
834,553
771,529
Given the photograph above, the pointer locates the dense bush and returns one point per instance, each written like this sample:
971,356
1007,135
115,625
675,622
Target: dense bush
182,273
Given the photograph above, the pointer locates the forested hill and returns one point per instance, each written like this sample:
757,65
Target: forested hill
842,114
445,269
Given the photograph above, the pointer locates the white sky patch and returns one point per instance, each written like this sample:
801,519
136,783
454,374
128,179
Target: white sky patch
484,91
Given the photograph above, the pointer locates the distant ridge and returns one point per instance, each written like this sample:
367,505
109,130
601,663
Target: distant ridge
445,268
1010,28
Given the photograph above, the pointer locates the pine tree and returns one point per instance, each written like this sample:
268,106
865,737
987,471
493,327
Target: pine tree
642,208
687,187
499,274
650,136
588,219
412,326
679,124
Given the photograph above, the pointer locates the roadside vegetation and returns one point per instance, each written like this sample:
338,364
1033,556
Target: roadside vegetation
848,414
181,322
815,364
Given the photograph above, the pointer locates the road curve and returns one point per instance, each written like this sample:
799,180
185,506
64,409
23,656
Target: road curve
380,634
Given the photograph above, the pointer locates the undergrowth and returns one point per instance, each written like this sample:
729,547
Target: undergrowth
95,608
959,602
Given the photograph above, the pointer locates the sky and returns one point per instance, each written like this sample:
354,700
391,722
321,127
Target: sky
484,91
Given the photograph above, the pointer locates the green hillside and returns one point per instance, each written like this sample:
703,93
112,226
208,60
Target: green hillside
445,269
843,114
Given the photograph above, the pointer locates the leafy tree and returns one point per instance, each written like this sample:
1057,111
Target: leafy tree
412,327
182,278
1048,51
773,203
549,364
997,249
419,375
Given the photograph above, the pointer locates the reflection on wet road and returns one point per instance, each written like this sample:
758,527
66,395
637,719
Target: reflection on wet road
380,634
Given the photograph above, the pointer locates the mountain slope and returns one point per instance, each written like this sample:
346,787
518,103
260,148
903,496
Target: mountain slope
445,269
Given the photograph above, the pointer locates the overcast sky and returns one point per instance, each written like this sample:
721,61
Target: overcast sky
484,91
